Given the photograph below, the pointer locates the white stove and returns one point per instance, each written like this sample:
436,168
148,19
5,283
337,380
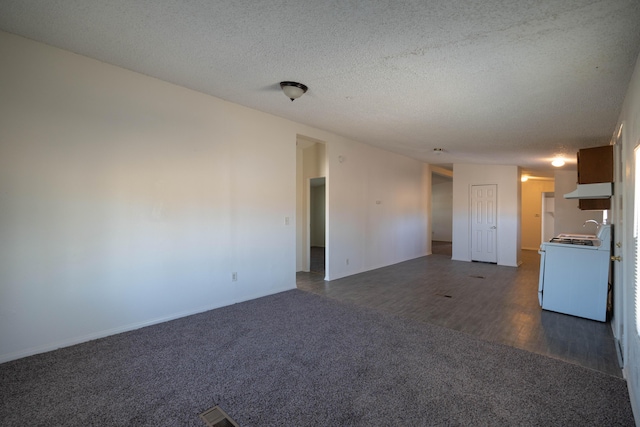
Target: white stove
574,274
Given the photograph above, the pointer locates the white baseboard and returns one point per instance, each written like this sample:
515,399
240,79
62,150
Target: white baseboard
130,327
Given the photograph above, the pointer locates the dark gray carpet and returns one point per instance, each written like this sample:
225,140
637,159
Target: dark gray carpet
298,359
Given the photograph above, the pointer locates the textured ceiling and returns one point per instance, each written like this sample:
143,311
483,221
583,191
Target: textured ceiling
494,81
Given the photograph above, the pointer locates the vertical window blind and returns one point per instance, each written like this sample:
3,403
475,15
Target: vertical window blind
636,240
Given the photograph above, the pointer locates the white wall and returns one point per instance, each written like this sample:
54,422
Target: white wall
321,160
377,208
507,178
568,217
301,229
548,216
531,227
126,201
442,209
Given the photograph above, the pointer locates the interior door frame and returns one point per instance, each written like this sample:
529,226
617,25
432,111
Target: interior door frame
617,268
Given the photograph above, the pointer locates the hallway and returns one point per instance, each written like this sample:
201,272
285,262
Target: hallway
493,303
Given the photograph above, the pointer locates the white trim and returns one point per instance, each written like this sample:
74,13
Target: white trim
131,327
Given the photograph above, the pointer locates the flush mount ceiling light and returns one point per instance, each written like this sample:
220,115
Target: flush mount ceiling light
557,162
438,151
293,90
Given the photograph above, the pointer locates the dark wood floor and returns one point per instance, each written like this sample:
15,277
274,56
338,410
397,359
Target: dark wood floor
491,302
316,257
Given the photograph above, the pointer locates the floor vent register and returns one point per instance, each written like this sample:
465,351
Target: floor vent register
216,417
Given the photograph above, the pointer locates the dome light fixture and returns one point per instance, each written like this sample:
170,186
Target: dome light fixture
557,162
293,90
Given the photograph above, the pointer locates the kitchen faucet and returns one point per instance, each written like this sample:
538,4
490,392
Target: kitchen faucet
593,221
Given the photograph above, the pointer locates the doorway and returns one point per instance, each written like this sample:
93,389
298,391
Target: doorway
441,212
311,174
317,224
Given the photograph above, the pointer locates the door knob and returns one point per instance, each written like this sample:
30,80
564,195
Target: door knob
619,244
616,258
494,227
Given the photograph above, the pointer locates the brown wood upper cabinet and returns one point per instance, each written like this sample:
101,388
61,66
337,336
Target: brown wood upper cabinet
595,165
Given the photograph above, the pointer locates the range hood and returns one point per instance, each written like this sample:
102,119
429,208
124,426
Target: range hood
591,191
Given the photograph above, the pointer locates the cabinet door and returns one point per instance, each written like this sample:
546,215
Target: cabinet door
595,165
594,204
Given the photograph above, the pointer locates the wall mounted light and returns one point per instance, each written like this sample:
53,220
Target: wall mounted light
524,178
293,90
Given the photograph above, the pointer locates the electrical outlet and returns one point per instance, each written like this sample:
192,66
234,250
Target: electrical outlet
286,220
234,276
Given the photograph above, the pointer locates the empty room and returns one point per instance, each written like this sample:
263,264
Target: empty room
316,213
